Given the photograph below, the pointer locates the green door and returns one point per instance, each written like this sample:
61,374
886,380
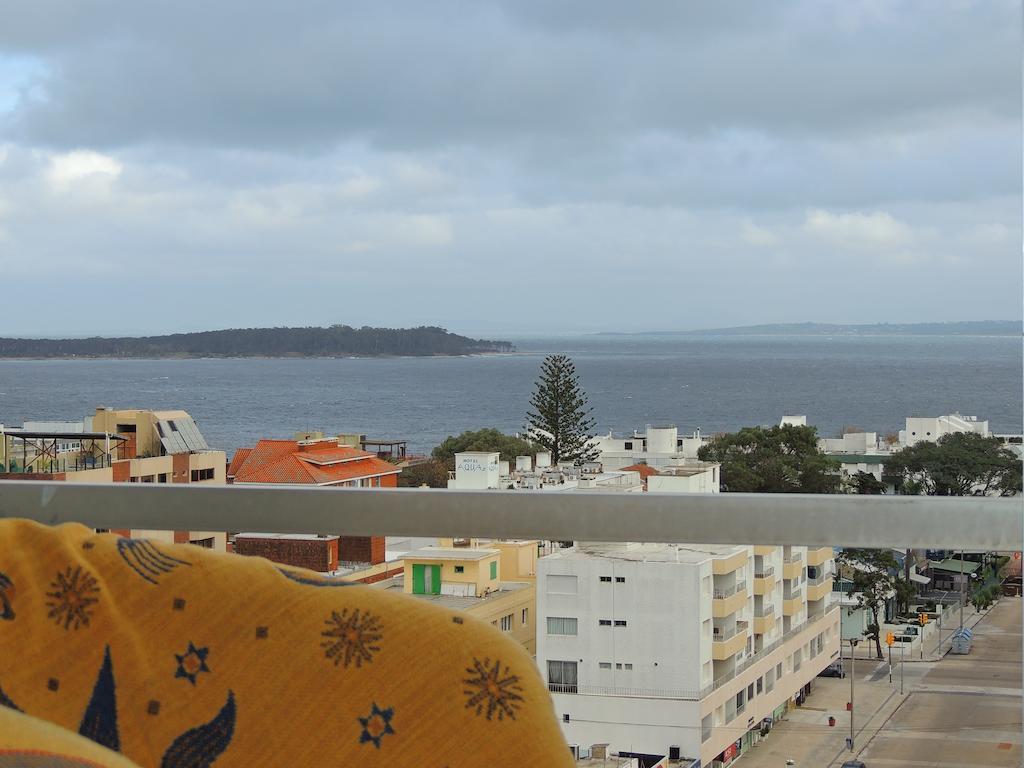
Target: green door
426,579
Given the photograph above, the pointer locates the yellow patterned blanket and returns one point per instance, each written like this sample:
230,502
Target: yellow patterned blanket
121,652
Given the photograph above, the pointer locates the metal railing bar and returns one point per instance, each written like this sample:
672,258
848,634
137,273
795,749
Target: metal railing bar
767,519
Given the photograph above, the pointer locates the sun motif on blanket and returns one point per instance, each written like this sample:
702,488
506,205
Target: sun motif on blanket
351,637
73,597
492,689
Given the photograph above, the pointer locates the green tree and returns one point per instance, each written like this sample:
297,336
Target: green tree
958,464
866,483
873,580
774,460
560,420
485,440
432,473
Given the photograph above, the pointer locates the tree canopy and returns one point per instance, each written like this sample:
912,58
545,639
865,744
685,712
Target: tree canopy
958,464
560,417
486,440
782,459
874,578
866,483
432,473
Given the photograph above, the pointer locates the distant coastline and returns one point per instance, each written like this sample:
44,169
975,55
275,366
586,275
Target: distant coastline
961,328
332,342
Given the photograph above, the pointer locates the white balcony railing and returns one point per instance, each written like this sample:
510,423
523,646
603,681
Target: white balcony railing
764,610
764,573
724,592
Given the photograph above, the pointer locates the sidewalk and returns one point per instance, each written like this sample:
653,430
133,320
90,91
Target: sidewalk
934,650
804,734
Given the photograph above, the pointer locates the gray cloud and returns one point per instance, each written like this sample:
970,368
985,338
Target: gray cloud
293,154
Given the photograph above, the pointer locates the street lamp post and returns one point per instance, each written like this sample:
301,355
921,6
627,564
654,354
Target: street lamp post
853,670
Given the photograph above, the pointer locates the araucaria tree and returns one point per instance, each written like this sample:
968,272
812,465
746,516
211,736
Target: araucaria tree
560,417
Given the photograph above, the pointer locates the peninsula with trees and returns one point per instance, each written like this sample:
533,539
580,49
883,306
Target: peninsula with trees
334,341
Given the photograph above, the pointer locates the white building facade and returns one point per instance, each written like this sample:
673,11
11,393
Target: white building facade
658,447
665,649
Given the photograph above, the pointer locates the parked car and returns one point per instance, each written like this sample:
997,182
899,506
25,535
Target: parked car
910,629
835,669
854,764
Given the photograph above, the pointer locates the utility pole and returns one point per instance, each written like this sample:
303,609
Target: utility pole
903,663
961,589
853,674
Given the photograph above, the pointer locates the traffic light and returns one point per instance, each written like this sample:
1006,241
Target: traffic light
922,618
890,639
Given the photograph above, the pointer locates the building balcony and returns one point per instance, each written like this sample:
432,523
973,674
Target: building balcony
765,551
819,589
819,555
725,646
729,600
764,581
724,565
764,624
793,568
791,606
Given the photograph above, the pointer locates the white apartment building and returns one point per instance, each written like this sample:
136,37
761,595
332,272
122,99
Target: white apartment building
658,447
476,470
920,429
682,650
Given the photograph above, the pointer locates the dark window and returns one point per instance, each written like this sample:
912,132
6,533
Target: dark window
620,622
460,569
162,477
604,622
629,446
620,579
205,543
606,578
562,676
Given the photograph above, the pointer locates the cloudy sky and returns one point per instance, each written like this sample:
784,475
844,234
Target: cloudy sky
507,167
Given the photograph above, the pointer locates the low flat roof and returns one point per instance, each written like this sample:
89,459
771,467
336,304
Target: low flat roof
38,435
456,602
954,565
290,536
451,553
644,553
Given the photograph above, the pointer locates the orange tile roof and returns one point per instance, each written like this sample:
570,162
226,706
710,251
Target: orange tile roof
281,462
645,470
238,459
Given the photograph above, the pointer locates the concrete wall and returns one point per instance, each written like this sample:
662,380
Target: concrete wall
476,574
315,554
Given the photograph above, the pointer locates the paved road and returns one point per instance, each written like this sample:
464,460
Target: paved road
964,711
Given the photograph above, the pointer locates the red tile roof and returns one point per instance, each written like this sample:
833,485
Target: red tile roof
645,470
286,462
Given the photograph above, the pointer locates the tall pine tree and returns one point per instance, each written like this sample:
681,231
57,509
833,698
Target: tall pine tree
560,420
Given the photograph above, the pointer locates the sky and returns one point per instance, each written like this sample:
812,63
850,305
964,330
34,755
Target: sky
512,167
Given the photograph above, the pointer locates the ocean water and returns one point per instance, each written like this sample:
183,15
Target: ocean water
706,382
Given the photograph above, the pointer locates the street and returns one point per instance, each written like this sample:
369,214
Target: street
959,712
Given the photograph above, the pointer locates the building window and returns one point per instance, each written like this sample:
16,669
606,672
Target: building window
705,727
606,578
760,684
199,475
561,585
618,666
605,664
162,477
628,446
506,623
460,569
494,569
750,691
620,579
561,625
620,622
525,615
778,670
604,622
206,543
629,666
562,676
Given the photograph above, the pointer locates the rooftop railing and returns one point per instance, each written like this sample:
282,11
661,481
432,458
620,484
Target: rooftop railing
917,522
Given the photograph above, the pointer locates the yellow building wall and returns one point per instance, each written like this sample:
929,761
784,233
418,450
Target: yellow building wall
518,560
514,603
476,572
